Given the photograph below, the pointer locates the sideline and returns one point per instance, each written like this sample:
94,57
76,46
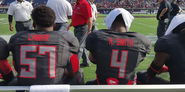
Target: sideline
108,88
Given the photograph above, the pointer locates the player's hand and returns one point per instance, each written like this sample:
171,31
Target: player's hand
11,27
143,77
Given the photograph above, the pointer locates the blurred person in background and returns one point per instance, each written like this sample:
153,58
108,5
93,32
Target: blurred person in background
175,9
82,23
20,10
94,14
163,16
63,12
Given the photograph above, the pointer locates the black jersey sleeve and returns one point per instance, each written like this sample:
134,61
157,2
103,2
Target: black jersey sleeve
4,52
161,45
10,43
13,39
90,41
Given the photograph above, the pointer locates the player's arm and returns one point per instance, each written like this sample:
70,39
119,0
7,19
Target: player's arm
74,62
6,70
156,66
90,41
5,67
72,66
91,58
161,57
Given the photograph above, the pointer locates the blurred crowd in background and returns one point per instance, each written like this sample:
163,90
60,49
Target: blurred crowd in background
108,3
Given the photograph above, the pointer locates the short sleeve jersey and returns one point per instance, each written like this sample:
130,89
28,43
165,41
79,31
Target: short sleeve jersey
40,57
116,55
172,45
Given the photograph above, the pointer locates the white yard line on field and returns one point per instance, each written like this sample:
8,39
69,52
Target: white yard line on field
3,21
145,25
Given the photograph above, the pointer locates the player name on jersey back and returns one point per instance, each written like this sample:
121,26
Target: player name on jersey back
38,37
121,42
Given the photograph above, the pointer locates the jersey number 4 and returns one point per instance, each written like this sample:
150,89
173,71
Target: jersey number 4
32,62
119,61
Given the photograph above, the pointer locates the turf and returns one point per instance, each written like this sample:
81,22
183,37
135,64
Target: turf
4,27
146,26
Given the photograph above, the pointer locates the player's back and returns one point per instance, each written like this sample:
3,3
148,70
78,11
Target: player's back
40,57
117,55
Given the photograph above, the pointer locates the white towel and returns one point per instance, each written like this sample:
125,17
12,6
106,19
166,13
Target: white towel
50,88
127,17
177,20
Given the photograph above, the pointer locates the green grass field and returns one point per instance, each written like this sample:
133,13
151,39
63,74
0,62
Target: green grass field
146,26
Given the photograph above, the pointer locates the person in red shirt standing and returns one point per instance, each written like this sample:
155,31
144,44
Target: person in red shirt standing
82,23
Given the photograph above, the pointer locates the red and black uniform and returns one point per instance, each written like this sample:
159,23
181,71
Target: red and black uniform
5,68
117,55
41,57
173,45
